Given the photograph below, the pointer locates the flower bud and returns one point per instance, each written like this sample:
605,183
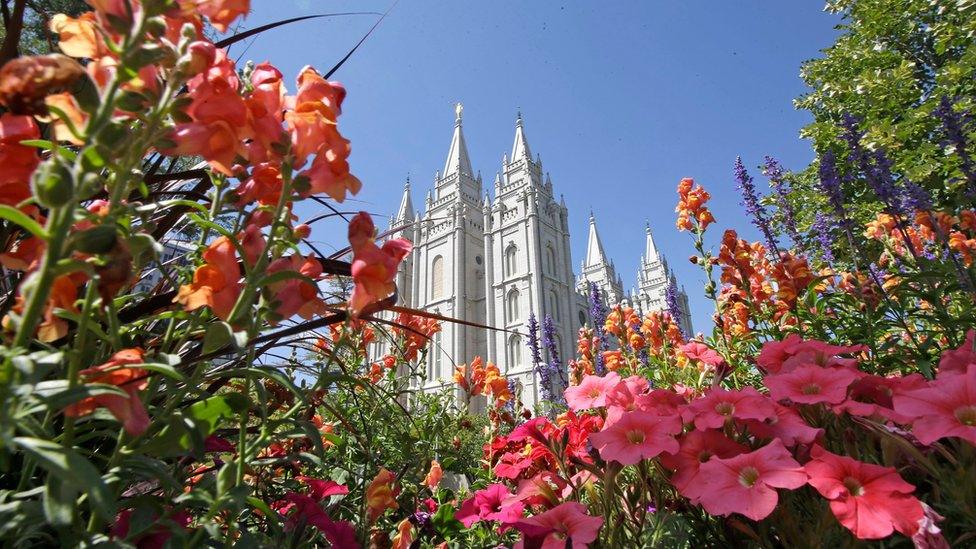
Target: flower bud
693,259
53,185
156,26
303,231
199,55
96,240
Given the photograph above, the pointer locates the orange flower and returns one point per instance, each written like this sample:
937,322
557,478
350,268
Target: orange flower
222,12
17,162
691,208
64,293
26,81
404,536
295,296
127,409
793,276
78,37
380,494
966,247
66,103
433,477
216,283
373,268
613,360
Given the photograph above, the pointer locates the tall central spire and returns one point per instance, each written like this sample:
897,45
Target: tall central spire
457,156
650,252
521,146
594,246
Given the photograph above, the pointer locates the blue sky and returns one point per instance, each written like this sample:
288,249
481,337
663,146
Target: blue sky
621,99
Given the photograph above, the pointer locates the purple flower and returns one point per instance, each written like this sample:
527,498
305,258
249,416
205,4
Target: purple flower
774,171
830,182
822,228
915,197
554,368
598,313
671,300
956,125
750,201
533,327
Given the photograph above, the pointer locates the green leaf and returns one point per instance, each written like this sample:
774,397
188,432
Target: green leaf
73,470
59,501
208,413
60,399
444,522
24,221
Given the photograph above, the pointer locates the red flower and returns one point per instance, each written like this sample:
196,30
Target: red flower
494,502
17,162
127,409
565,525
373,268
811,384
946,408
591,392
746,483
720,405
294,295
637,436
698,447
869,500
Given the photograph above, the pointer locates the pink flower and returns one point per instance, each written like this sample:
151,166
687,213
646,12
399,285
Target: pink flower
811,384
698,447
746,483
494,502
696,350
294,295
946,408
719,405
787,425
373,267
623,397
565,525
636,436
871,396
783,356
320,489
957,360
869,500
591,392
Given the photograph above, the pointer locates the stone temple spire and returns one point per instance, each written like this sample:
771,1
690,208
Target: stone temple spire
594,246
650,251
457,156
520,148
405,211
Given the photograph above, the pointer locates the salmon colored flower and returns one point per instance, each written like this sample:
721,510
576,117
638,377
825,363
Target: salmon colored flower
811,384
433,477
869,500
565,525
946,408
380,494
78,37
222,12
695,448
404,535
591,392
73,115
637,436
691,208
746,483
296,296
696,350
786,425
127,409
373,268
793,276
958,360
783,356
718,406
494,502
216,283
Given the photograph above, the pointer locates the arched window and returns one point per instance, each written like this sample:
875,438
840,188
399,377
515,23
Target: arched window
437,278
553,305
514,354
511,260
434,357
513,305
550,260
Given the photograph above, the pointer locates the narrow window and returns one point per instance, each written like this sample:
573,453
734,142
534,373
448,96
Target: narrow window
437,278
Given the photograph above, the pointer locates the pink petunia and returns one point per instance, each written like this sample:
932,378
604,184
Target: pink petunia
591,392
320,489
787,426
871,396
946,408
637,436
811,384
784,356
957,360
719,406
695,350
697,447
746,483
565,525
869,500
494,502
623,398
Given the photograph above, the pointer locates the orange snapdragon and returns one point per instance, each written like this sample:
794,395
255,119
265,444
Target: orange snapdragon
216,283
127,409
691,207
380,494
373,267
